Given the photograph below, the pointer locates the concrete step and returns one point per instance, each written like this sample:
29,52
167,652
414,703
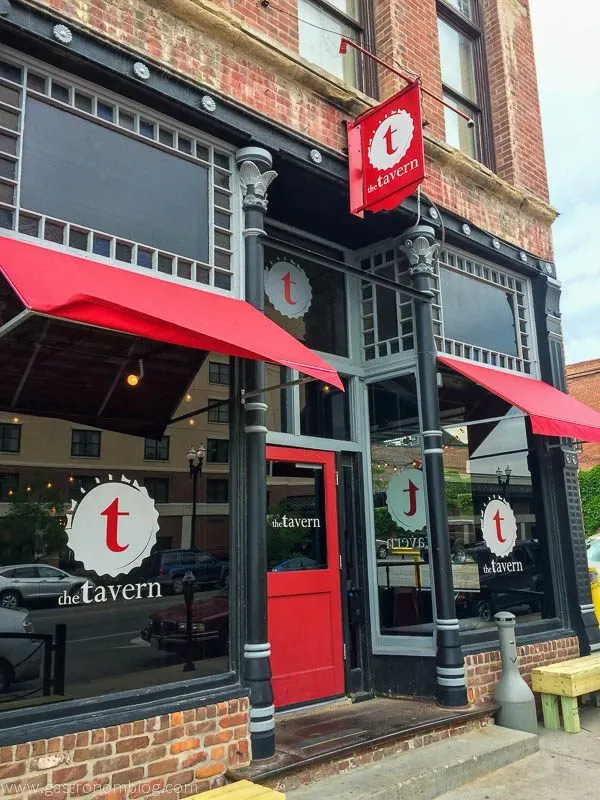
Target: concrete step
427,772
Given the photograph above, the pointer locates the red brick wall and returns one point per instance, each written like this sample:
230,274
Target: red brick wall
172,756
484,669
231,60
583,382
514,96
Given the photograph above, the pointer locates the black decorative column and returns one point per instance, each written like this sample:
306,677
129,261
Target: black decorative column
257,669
421,249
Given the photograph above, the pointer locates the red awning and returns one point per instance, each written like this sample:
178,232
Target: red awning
83,290
552,412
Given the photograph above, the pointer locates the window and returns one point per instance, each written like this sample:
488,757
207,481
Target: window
156,449
10,437
115,159
9,485
218,373
219,413
320,25
217,451
158,489
463,77
217,490
323,326
85,443
493,458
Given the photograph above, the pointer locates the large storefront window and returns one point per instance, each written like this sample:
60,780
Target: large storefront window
99,549
400,523
495,508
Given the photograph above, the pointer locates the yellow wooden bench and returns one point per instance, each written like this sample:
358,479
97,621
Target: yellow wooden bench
241,790
567,680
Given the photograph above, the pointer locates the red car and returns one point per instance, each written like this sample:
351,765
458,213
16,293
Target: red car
167,630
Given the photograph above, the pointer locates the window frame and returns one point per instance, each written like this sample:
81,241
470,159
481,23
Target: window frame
10,426
164,482
218,414
217,479
364,27
85,431
157,443
480,110
220,365
211,439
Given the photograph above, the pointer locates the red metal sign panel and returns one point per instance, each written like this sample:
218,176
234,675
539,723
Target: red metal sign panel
386,155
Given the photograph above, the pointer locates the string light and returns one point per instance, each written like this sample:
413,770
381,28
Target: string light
10,492
15,420
28,489
188,398
49,485
71,479
191,422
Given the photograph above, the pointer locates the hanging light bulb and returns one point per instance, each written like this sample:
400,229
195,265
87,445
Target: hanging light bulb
192,422
133,378
49,485
188,398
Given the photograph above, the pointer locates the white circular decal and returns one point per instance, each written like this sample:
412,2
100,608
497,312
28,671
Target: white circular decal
499,527
113,527
406,500
391,140
288,289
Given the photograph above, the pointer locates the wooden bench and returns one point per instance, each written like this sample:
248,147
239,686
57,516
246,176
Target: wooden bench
567,680
241,790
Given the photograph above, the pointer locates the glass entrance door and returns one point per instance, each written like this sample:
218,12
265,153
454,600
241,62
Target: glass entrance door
304,604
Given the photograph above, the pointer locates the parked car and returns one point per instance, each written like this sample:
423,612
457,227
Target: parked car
167,630
29,584
170,566
507,591
20,659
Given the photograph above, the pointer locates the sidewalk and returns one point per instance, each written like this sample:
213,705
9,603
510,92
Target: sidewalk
567,767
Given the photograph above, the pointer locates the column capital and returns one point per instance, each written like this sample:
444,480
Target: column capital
254,182
421,249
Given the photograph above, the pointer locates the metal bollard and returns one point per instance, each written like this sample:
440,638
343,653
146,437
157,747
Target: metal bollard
513,695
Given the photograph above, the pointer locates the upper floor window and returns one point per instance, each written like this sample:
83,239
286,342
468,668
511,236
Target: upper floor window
98,174
10,437
218,413
158,489
463,77
217,451
85,443
320,26
156,449
218,373
9,484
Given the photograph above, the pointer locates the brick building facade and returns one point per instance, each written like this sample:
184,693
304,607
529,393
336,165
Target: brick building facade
129,135
583,380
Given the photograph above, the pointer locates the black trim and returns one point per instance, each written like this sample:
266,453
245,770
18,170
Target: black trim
94,59
532,633
53,719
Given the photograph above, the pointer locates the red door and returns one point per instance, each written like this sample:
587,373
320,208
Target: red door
304,603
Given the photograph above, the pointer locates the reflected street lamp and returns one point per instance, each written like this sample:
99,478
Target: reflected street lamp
503,479
188,596
195,457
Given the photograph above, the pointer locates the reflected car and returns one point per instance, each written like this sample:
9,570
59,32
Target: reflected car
167,630
20,659
296,563
382,548
29,584
170,566
509,591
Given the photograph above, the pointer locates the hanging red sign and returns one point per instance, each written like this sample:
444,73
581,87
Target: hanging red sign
386,154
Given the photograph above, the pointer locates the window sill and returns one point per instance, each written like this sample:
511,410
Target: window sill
56,719
529,633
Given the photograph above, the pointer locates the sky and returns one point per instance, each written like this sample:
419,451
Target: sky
567,48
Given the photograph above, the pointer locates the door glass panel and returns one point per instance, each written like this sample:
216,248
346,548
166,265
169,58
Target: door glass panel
401,541
296,535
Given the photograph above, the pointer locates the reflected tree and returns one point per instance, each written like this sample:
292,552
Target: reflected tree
34,527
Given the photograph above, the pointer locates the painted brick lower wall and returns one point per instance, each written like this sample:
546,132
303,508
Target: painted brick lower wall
483,669
172,756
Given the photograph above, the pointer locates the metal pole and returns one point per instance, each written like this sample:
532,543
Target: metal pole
421,249
194,471
257,669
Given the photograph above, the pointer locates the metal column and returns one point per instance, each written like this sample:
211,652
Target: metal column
257,669
421,249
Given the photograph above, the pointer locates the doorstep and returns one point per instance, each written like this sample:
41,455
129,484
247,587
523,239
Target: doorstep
323,741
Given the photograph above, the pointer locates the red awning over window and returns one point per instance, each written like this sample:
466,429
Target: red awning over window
70,326
552,412
83,290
